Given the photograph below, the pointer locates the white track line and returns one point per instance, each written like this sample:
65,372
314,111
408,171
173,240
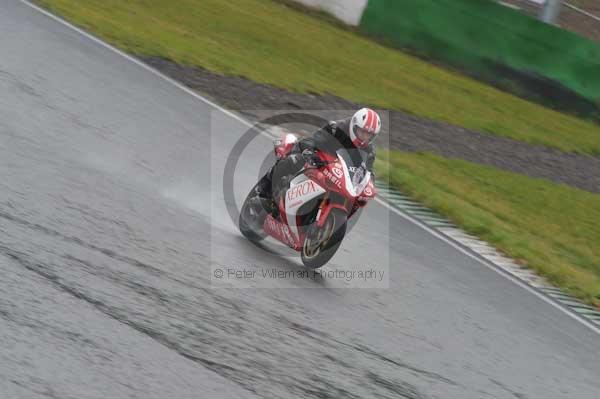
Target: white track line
415,221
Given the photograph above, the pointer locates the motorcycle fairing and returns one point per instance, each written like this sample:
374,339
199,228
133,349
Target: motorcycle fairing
302,189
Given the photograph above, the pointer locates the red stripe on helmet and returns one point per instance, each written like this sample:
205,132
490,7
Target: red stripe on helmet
372,121
368,122
376,120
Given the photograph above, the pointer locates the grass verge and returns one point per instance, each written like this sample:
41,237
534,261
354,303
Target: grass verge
270,42
548,227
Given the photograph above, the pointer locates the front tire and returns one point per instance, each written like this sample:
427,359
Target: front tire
322,243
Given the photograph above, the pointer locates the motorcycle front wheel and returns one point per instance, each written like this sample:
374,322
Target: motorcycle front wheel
322,243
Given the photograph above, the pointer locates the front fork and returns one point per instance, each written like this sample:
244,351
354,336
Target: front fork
325,209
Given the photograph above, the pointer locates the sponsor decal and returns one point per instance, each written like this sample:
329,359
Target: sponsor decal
272,224
288,235
301,190
280,231
354,169
334,179
295,204
337,171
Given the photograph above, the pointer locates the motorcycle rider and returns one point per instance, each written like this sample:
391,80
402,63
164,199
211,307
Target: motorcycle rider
355,134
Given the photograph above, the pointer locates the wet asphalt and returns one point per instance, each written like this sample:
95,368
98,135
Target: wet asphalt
113,224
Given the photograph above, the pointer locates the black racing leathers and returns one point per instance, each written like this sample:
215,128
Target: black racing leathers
331,138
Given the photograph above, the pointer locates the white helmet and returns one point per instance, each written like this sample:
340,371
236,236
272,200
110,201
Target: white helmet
364,127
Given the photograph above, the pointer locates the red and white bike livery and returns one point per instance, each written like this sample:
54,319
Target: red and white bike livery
313,208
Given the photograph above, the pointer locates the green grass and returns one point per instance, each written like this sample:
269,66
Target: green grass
548,227
272,43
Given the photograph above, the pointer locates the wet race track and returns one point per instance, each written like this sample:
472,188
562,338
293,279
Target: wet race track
113,223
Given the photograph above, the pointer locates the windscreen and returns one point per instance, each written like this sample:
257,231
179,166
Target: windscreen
356,160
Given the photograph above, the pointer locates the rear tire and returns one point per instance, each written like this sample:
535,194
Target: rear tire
252,217
322,243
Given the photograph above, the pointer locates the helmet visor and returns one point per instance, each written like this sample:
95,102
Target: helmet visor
363,134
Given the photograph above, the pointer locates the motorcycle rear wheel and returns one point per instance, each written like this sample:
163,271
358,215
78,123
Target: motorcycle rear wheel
252,217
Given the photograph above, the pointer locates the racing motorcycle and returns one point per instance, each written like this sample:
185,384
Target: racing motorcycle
313,206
